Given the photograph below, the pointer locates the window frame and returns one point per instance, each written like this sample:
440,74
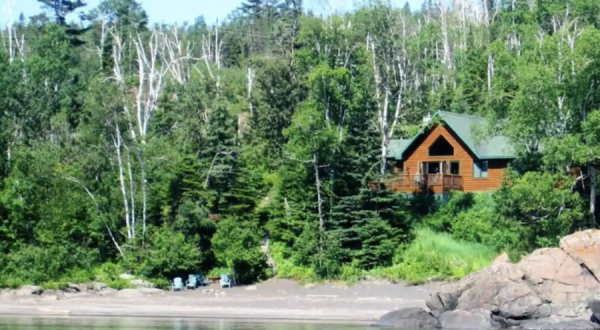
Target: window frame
478,167
441,156
450,167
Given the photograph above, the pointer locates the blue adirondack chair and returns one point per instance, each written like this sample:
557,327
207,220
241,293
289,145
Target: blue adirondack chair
177,284
201,280
191,283
225,281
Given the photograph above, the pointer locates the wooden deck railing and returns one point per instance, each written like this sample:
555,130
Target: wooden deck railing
398,182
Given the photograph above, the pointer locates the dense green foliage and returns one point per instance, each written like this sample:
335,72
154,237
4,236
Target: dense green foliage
166,150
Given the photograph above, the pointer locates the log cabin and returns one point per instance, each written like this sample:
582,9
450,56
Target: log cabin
447,154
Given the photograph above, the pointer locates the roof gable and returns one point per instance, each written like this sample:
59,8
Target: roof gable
495,147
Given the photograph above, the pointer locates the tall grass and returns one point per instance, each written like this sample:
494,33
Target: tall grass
437,256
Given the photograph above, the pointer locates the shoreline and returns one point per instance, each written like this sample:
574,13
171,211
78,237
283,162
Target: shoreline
271,301
259,318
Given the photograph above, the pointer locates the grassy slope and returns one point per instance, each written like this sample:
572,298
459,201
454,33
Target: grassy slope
437,256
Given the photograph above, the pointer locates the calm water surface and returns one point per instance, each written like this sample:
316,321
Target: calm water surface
160,324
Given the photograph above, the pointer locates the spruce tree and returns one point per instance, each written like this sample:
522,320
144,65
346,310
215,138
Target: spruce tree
370,226
62,8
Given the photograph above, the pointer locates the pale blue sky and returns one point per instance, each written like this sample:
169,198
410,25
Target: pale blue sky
171,11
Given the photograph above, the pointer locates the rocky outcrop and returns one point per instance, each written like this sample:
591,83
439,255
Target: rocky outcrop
409,318
552,289
474,319
584,248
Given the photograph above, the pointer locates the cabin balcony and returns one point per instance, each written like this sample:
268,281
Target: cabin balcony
433,183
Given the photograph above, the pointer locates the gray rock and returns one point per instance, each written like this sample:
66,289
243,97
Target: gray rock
474,319
499,288
556,324
77,287
576,309
594,305
130,293
73,287
142,283
27,290
98,286
107,292
557,277
583,246
409,318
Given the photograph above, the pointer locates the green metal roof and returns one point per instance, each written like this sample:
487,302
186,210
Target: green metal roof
495,147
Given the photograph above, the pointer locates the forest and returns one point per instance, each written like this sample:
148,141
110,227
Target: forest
163,150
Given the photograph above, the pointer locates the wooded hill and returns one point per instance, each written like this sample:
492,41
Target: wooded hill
122,145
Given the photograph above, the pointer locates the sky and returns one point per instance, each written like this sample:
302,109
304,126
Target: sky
178,11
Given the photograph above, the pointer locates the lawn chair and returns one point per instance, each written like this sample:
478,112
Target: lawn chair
201,280
225,281
192,282
177,284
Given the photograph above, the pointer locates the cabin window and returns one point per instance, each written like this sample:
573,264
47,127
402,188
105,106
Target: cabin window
441,147
480,169
431,168
455,168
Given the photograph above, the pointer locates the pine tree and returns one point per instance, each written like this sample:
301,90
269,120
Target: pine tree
218,156
370,226
62,8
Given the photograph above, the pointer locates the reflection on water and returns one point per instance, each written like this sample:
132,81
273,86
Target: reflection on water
159,324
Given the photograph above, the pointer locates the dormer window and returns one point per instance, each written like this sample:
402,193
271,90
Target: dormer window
441,147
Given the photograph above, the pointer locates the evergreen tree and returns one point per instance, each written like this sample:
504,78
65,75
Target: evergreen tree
62,8
370,226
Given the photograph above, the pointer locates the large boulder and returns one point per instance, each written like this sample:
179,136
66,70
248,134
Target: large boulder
499,288
409,318
98,286
474,319
559,280
584,247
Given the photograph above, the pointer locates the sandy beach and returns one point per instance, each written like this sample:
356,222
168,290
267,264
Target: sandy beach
271,300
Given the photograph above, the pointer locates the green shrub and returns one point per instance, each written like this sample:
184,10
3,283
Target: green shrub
218,271
286,268
475,218
54,285
119,284
236,244
35,264
435,256
351,273
108,272
170,253
161,283
12,282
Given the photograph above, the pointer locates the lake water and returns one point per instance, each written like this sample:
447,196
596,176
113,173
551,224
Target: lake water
23,323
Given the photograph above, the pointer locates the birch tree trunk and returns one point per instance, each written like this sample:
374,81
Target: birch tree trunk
593,194
161,54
